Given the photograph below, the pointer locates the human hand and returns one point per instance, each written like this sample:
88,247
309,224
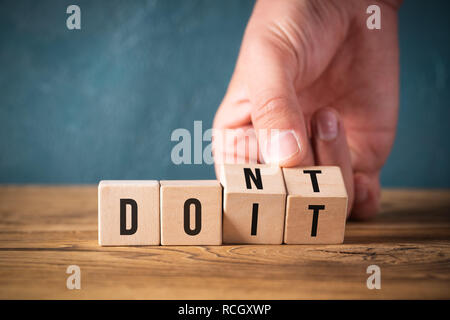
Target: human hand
313,69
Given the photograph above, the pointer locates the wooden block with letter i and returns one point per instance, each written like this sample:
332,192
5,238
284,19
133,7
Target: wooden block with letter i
128,213
254,203
316,208
191,212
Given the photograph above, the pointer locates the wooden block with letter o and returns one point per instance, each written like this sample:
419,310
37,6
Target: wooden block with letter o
254,203
316,208
191,212
128,213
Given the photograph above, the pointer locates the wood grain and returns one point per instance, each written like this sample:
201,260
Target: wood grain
44,229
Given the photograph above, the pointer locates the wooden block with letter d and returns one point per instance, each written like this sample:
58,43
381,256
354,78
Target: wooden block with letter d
254,203
316,208
191,212
128,213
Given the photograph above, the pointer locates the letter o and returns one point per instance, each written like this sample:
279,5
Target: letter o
187,216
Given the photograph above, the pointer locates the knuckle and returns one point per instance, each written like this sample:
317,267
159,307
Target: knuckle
268,112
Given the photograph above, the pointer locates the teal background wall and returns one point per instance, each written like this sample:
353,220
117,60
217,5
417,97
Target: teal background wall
102,102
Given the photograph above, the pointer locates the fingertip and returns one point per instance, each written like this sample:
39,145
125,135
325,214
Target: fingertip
295,160
285,149
331,147
326,124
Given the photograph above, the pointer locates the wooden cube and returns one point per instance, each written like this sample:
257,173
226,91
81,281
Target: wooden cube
128,213
254,203
191,212
316,208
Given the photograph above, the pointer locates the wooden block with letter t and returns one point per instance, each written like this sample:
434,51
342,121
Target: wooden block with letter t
128,213
316,208
254,203
191,212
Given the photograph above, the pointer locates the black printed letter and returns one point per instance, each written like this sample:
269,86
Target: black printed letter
123,217
256,180
313,173
316,209
187,216
254,219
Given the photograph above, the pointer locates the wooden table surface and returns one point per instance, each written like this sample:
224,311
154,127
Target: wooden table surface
44,229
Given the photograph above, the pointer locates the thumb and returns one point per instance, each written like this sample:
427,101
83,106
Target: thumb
276,115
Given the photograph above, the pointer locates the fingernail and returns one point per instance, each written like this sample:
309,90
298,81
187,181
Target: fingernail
327,125
283,145
361,193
